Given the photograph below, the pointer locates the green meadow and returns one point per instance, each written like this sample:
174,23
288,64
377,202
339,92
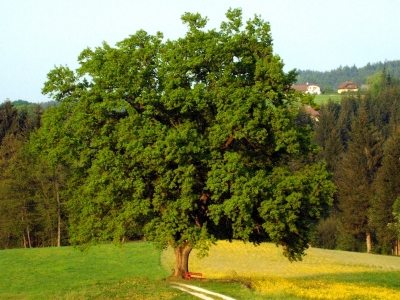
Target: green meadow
102,272
320,99
242,271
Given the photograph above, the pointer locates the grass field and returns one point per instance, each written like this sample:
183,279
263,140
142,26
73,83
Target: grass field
320,99
242,271
103,272
323,274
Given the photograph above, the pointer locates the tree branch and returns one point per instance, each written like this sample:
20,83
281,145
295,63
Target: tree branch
229,141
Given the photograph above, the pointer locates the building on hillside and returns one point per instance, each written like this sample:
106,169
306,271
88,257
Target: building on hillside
308,88
314,114
347,86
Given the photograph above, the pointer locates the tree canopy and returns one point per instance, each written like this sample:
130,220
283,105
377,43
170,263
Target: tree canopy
186,141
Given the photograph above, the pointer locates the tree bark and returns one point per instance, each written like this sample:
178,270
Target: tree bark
369,243
59,216
181,261
397,247
28,234
24,239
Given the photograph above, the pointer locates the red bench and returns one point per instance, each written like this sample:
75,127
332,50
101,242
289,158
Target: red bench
190,275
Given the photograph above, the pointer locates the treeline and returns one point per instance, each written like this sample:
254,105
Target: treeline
31,213
360,142
23,104
330,80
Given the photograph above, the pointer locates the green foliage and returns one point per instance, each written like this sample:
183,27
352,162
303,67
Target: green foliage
328,231
380,82
348,111
27,186
387,187
358,138
29,198
13,203
326,134
396,212
328,90
20,102
357,172
375,82
185,141
9,120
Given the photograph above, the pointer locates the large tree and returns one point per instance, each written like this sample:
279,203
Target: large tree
186,141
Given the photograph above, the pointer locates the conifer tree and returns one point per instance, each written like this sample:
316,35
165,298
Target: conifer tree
9,120
327,134
348,110
387,187
355,176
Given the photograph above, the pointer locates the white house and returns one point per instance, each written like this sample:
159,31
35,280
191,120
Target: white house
309,88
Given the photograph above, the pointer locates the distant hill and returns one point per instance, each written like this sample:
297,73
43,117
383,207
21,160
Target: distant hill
21,103
359,76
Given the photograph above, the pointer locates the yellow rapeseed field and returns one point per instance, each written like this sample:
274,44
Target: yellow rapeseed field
323,274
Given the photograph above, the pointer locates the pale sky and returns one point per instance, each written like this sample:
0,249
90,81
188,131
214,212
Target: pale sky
319,35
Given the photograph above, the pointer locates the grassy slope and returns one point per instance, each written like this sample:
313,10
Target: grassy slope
101,272
320,99
323,274
134,271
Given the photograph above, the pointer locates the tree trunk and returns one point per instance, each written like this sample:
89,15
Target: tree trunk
181,261
24,239
28,234
397,247
369,243
27,238
59,217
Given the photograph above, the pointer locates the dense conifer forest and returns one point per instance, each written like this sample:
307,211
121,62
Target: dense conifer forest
358,140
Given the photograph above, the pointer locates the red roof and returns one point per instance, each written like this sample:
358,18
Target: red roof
303,87
348,85
311,111
300,87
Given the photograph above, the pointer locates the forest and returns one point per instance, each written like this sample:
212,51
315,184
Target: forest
330,80
187,142
359,140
